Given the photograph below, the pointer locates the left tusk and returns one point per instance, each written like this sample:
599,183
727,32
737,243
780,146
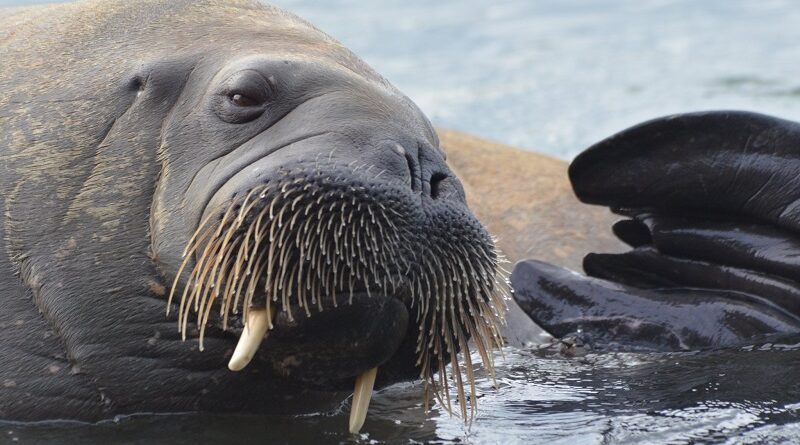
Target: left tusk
254,332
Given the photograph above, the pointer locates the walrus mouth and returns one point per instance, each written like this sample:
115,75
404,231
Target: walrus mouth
309,237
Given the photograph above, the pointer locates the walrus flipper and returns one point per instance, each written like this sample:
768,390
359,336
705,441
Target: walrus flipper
712,207
609,314
731,242
647,268
729,162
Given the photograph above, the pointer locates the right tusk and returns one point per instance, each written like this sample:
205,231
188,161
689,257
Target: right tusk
361,396
254,332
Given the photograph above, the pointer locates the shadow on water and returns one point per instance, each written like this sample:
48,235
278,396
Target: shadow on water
396,414
751,394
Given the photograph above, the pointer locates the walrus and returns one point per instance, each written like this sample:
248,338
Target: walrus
709,208
214,206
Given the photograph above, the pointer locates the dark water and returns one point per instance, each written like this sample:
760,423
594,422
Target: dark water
749,395
552,75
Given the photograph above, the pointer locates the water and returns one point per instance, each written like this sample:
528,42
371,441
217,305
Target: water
554,76
557,75
747,395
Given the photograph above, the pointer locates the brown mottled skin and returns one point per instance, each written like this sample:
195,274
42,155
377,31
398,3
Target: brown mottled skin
104,125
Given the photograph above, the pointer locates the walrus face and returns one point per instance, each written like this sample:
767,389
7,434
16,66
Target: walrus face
321,211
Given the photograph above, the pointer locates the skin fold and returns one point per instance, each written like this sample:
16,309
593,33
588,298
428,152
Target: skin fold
609,314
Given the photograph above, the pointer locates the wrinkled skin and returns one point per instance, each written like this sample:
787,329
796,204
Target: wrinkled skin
712,201
120,130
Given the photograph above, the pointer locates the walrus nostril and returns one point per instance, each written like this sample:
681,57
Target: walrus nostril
436,181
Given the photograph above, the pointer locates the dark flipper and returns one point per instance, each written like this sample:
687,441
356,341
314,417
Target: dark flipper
714,202
636,267
726,162
632,232
741,244
564,302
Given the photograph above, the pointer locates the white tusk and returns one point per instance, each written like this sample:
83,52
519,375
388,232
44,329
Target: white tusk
255,329
361,396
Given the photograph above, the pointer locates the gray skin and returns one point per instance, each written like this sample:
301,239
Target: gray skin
118,130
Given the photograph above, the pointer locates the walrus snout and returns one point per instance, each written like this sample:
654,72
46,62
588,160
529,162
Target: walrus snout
323,230
315,240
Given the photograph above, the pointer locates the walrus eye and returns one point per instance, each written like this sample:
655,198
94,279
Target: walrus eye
243,97
241,100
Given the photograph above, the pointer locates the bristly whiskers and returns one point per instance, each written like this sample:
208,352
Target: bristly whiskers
312,235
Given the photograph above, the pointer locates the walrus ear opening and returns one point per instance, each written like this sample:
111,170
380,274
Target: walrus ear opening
164,77
727,162
136,83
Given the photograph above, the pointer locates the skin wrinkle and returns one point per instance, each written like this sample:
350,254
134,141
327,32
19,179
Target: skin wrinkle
741,164
70,360
170,114
162,160
234,149
757,193
210,196
95,165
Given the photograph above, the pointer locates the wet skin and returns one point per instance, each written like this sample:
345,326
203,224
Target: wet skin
711,201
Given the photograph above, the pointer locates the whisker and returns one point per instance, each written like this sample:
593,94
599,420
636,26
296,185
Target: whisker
306,242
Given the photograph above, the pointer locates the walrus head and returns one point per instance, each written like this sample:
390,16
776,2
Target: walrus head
302,195
290,190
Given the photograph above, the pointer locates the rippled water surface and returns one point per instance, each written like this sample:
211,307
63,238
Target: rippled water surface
749,395
553,76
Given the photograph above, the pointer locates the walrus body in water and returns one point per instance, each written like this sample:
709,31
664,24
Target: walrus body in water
227,164
711,206
296,209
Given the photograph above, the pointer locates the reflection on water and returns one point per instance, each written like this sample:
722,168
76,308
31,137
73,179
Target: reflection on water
552,75
752,394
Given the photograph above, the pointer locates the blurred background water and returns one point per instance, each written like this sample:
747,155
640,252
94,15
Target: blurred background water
557,75
553,76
